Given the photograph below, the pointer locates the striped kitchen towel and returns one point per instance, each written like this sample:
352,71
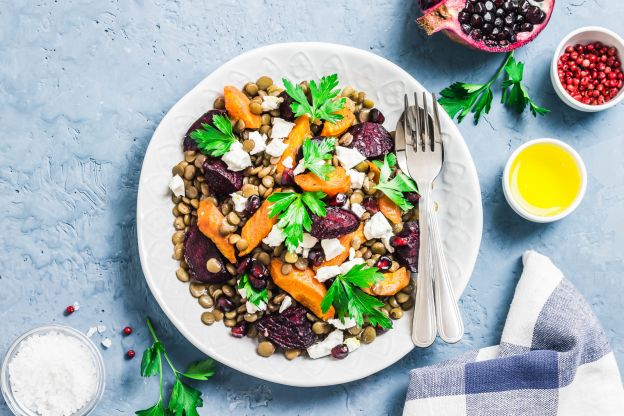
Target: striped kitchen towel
553,360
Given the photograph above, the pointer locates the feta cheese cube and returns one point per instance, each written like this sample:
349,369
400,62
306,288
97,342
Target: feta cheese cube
352,343
351,253
276,147
236,158
348,265
270,102
338,324
240,202
176,184
327,272
377,227
357,178
275,238
259,142
288,162
251,308
331,247
300,168
281,128
323,348
285,304
308,242
358,209
349,158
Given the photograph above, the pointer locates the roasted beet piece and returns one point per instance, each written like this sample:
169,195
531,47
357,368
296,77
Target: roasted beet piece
221,181
337,222
285,110
412,197
197,250
189,143
289,329
407,244
371,139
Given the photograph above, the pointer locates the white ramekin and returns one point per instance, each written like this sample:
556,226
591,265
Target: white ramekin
583,36
538,218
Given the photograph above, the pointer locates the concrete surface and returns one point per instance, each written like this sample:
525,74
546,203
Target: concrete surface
83,85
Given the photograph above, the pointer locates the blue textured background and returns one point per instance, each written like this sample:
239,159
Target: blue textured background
83,84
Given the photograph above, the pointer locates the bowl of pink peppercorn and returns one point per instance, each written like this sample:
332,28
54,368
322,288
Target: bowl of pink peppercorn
586,69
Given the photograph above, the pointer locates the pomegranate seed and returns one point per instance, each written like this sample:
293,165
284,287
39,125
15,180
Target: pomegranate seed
69,310
224,304
340,351
383,263
127,330
398,241
130,354
239,330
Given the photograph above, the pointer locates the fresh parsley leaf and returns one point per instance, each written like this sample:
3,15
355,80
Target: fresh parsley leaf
151,363
324,102
157,410
316,154
395,188
184,400
254,295
215,141
293,215
200,370
459,99
349,300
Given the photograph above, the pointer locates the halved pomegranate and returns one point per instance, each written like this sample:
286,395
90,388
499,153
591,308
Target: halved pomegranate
489,25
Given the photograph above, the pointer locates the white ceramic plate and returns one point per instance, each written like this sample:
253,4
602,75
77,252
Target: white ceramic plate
457,192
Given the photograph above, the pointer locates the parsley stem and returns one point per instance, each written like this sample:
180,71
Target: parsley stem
500,69
164,353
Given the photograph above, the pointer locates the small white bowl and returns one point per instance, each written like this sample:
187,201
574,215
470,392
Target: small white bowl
583,36
518,208
5,381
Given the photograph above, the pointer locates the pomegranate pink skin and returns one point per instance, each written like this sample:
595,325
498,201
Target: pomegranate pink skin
443,17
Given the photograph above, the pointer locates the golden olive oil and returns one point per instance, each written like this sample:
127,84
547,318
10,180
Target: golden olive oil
545,179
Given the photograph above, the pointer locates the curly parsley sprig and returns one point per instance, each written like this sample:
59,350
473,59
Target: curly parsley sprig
215,141
324,104
316,154
292,209
184,399
461,98
349,300
395,188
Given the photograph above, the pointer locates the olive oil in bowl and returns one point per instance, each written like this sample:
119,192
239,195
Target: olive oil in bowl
544,180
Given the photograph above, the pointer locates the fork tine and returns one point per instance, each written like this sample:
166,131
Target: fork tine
426,135
407,125
436,123
416,116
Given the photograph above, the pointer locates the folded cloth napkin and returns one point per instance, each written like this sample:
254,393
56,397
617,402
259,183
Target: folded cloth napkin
553,360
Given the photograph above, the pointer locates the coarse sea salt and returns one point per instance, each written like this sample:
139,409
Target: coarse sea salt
53,374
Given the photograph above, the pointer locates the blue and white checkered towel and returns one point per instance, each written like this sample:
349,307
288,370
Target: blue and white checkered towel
553,360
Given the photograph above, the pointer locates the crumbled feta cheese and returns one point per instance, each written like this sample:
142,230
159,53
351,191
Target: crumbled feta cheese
288,162
106,343
386,242
351,253
338,324
357,178
331,247
276,147
358,209
377,227
349,158
348,265
259,142
285,304
270,102
240,202
236,158
91,331
300,168
76,306
352,343
243,292
275,238
327,272
176,184
323,348
251,308
101,329
307,243
281,128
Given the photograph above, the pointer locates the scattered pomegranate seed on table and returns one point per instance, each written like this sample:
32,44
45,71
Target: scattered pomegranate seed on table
127,330
592,73
130,354
69,310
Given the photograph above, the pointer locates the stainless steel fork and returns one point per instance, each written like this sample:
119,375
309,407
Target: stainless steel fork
423,158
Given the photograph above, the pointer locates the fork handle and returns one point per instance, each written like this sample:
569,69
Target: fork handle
424,323
448,317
